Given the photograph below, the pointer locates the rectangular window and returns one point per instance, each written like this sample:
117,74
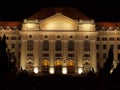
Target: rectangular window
97,55
104,55
97,46
112,46
70,55
58,55
104,46
45,54
98,39
118,46
19,45
119,56
12,45
86,45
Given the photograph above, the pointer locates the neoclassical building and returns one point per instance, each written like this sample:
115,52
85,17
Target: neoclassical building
61,40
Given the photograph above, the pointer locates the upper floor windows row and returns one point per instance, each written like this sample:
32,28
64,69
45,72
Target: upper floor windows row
108,39
58,45
104,46
12,38
46,45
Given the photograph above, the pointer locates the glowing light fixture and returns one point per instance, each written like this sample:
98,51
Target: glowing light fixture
51,71
36,70
64,70
80,70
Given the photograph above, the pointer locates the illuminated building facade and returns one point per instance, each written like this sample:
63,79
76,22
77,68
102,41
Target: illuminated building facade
61,44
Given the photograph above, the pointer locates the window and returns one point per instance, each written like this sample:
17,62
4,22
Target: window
86,45
19,38
112,46
97,46
118,46
119,56
97,55
118,39
71,37
46,36
30,45
13,38
30,36
86,55
7,38
58,36
104,38
111,38
71,45
13,45
46,45
58,45
104,55
104,46
98,38
19,45
58,55
45,54
70,55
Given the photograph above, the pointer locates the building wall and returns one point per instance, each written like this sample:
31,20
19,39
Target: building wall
90,46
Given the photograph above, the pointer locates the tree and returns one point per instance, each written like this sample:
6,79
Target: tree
3,56
115,75
4,69
108,64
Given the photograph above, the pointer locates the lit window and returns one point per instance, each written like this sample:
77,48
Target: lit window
45,45
86,45
71,45
58,45
30,45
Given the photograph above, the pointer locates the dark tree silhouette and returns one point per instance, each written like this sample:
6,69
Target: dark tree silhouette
108,64
3,57
115,76
11,61
4,69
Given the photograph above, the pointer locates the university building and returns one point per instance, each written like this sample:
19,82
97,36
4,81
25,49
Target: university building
61,40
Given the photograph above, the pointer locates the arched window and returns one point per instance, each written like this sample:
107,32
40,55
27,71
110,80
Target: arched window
30,45
46,45
86,45
71,45
58,45
86,67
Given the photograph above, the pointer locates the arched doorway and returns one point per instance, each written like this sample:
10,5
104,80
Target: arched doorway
45,66
29,66
86,67
58,67
70,66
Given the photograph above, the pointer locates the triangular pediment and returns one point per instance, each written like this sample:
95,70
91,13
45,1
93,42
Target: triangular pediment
58,22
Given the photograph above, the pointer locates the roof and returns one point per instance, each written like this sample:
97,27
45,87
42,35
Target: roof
67,11
108,24
10,23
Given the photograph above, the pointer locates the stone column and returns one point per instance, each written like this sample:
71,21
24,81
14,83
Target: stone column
93,55
64,52
115,51
79,54
36,53
23,54
40,56
52,52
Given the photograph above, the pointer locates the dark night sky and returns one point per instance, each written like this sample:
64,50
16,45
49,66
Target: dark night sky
99,10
